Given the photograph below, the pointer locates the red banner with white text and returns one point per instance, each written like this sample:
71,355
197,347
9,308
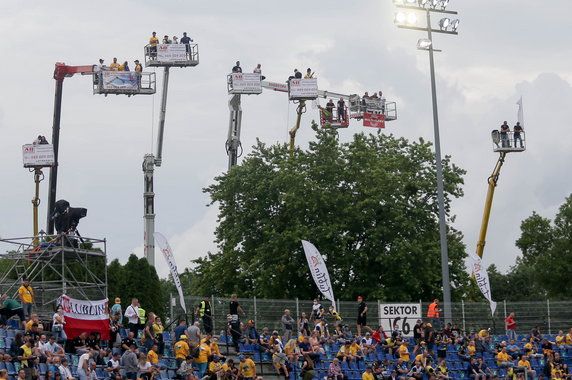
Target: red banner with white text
85,316
373,120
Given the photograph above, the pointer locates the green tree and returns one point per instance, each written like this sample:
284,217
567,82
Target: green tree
369,205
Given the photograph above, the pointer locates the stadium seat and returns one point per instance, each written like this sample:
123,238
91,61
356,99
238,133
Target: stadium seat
3,333
10,333
43,368
11,369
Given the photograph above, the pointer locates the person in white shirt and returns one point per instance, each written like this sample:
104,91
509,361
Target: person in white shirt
92,374
132,314
83,365
65,370
58,322
53,350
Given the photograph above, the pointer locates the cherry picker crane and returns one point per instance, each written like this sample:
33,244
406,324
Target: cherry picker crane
299,91
166,56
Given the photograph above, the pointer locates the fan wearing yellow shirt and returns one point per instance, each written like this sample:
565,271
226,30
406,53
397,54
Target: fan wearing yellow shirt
368,374
216,367
503,358
152,356
403,352
26,296
356,351
523,362
246,368
153,42
423,358
569,337
114,66
203,359
181,350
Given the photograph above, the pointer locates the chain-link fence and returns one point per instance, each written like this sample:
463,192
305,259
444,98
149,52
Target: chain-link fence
550,316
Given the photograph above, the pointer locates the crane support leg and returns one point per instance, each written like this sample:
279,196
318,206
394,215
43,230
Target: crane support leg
300,110
38,177
493,179
233,139
56,144
149,205
162,115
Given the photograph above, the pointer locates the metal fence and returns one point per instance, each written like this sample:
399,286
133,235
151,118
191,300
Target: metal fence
550,316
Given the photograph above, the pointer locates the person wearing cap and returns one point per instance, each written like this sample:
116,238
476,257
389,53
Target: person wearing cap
368,374
246,368
362,315
26,296
215,368
182,350
368,344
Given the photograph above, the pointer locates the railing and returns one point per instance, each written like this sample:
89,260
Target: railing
550,316
189,57
508,141
124,82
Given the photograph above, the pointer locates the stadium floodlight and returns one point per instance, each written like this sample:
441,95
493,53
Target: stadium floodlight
455,25
444,23
412,19
444,4
424,44
400,18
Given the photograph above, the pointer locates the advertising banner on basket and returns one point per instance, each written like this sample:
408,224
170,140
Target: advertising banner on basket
85,316
373,120
38,155
170,259
246,83
171,52
482,278
319,270
404,315
303,88
120,80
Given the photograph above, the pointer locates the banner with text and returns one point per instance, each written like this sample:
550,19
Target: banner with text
319,270
373,120
171,52
482,278
404,315
38,155
303,88
120,80
246,83
85,316
170,259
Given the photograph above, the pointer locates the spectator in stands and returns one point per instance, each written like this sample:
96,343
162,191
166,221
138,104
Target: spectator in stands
65,370
504,359
547,349
215,370
317,311
129,362
429,336
288,325
433,313
114,366
523,362
194,333
442,372
307,349
114,328
34,319
79,344
182,350
11,307
535,334
202,360
237,68
513,349
132,315
150,338
362,307
144,367
304,324
403,351
307,368
27,358
264,339
416,372
321,328
158,329
181,329
247,368
186,370
58,322
473,370
234,329
335,371
116,308
26,296
83,365
53,350
153,355
92,341
510,325
368,344
101,357
235,308
127,342
368,374
344,353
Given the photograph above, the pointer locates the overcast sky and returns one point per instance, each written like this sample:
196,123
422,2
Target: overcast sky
505,49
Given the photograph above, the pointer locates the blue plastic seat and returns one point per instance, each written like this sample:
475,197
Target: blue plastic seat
11,369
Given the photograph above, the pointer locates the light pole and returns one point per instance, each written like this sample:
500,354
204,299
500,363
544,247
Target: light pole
409,21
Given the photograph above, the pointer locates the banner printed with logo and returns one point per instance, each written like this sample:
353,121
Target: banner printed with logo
482,278
85,316
170,259
319,270
520,113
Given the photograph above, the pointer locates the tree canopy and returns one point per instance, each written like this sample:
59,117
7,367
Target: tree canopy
369,205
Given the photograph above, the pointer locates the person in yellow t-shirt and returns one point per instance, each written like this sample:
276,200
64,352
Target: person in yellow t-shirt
569,337
153,42
503,358
471,348
182,350
215,367
203,359
114,66
523,362
403,352
560,339
356,351
368,374
309,74
483,333
26,296
152,356
423,358
246,368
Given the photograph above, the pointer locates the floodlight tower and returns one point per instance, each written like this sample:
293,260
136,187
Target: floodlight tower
406,18
166,56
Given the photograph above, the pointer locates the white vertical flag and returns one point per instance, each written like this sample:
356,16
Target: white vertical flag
520,114
482,278
319,270
170,259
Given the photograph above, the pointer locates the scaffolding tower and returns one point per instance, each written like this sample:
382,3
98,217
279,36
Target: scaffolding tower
69,265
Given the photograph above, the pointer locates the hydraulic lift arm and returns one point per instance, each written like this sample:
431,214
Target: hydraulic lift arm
493,179
299,111
233,139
